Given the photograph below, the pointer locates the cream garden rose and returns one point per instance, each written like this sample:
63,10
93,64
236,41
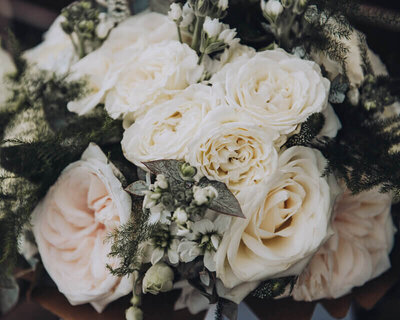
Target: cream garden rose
166,130
125,41
233,148
71,224
356,253
287,220
151,77
280,89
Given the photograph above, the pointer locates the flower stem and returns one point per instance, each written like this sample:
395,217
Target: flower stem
200,58
197,33
179,32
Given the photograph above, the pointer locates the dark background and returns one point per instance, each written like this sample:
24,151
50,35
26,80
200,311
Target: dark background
28,19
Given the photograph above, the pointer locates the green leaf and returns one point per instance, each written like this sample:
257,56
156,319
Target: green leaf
171,169
138,188
273,287
308,131
339,87
226,202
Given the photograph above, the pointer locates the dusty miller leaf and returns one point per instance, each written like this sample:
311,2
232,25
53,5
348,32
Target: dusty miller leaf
339,87
138,188
226,202
171,170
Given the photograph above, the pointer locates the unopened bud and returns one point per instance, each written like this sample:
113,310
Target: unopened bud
223,4
188,171
134,313
271,9
212,27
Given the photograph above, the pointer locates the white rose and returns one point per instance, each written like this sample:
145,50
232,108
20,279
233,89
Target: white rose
356,253
151,77
165,131
6,67
102,66
56,53
287,219
71,224
232,148
280,89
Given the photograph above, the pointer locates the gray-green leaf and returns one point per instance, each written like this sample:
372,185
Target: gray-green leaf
138,188
171,170
226,202
339,87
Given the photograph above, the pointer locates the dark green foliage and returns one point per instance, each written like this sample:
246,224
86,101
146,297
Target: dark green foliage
218,311
18,198
365,152
324,28
308,132
31,163
248,23
81,20
273,288
16,53
35,165
5,117
338,90
126,241
378,92
179,184
42,160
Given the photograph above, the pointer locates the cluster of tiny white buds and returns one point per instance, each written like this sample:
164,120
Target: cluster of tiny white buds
204,195
161,182
300,6
180,216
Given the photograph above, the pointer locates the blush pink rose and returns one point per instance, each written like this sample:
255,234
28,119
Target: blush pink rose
356,253
71,224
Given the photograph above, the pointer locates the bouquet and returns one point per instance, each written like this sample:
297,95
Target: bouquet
195,150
